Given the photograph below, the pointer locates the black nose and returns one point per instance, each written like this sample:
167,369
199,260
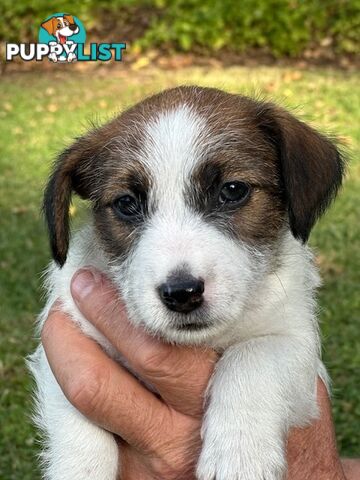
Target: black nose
73,27
182,294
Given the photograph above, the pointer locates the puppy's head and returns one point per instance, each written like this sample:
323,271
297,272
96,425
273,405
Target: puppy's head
192,191
61,27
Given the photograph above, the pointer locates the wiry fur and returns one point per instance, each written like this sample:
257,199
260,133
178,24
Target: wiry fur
259,305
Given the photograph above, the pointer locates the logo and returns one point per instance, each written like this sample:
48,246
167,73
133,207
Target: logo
63,33
62,40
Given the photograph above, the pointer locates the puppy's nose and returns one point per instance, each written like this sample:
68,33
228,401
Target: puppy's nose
182,294
73,27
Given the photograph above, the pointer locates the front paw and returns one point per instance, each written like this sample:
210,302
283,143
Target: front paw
53,57
241,456
71,57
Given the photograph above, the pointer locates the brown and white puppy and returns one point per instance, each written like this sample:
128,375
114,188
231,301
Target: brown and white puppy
61,27
202,204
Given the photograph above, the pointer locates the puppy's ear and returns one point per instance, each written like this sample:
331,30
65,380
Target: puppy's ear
69,18
50,26
311,167
73,171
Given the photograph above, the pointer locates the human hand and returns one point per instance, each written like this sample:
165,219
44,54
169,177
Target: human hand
159,437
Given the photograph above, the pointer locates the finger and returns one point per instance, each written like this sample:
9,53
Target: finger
180,374
101,389
351,467
313,449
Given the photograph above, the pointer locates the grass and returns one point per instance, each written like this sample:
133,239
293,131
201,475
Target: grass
40,113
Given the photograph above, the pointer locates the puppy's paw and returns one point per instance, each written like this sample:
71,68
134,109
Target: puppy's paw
71,57
53,57
240,456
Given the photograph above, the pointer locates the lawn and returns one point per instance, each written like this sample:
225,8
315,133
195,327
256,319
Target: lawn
40,113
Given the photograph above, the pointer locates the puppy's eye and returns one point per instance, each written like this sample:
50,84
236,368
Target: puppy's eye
59,25
234,193
127,207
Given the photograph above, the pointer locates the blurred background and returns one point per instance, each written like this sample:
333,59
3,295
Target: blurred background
303,54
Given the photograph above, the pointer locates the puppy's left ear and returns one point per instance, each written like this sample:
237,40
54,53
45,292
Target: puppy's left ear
311,167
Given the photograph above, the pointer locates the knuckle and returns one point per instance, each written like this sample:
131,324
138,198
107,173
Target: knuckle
154,362
86,391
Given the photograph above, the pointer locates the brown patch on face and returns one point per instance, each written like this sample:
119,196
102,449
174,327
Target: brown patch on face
53,24
259,219
100,166
294,171
237,150
116,234
70,19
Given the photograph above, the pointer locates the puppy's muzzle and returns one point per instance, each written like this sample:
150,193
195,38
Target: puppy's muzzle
182,293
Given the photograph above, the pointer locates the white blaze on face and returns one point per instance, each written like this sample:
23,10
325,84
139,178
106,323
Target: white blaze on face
176,237
170,153
65,30
61,21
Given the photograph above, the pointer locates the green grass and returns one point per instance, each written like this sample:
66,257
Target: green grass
40,113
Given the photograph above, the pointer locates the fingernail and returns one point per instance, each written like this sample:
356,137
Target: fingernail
83,282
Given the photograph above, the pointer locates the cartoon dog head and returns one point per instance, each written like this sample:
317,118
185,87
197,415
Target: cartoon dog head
61,27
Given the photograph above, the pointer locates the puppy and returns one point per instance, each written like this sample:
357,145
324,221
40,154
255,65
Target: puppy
61,27
202,203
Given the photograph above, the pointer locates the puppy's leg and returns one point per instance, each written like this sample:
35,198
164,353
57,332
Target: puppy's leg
260,388
75,448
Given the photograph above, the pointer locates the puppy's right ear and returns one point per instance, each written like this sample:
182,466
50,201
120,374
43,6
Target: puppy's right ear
73,171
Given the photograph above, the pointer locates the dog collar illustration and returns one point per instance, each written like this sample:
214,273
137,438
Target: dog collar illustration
62,28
